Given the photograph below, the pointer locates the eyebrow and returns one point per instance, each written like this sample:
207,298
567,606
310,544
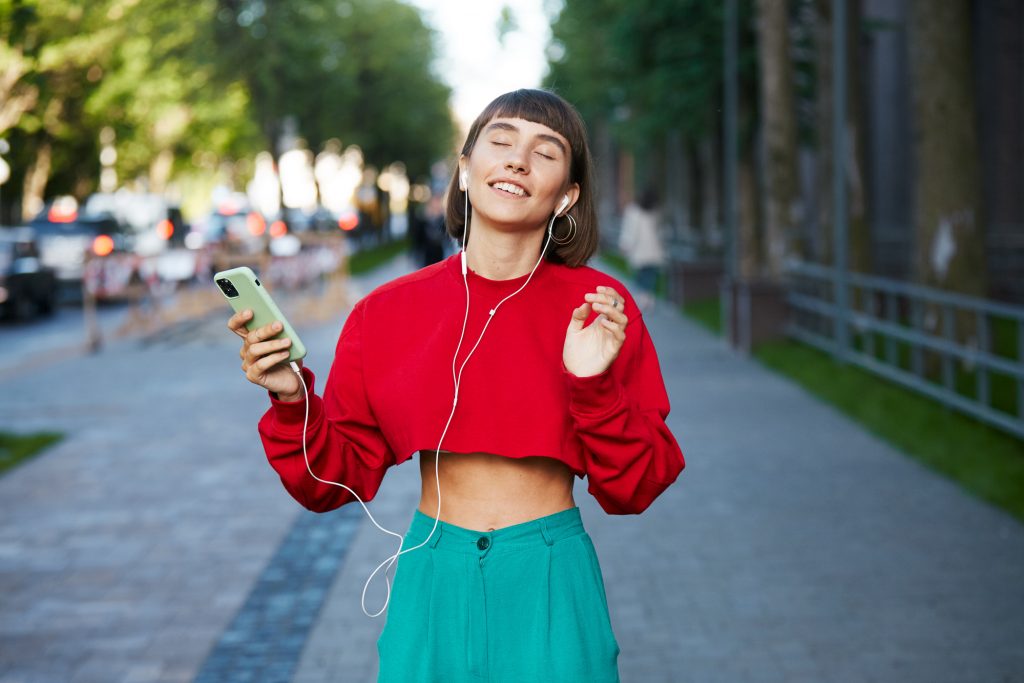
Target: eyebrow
501,125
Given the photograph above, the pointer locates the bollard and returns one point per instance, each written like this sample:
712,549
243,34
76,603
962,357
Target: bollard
90,283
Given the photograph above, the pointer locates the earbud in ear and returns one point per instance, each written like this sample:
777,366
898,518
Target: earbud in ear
463,179
561,207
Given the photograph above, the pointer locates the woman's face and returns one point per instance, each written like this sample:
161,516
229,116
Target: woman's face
518,173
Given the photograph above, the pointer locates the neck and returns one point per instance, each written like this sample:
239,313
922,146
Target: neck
503,256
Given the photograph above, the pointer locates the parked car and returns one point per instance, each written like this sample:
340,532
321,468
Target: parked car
65,237
154,223
232,226
27,287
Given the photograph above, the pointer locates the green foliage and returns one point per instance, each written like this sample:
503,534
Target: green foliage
213,80
648,66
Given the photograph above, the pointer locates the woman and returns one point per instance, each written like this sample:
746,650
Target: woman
520,366
641,244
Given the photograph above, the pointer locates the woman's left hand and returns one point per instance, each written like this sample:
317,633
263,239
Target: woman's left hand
590,350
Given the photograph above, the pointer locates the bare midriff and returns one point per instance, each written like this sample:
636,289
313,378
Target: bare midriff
483,492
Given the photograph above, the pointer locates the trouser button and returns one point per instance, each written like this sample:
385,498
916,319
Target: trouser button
483,543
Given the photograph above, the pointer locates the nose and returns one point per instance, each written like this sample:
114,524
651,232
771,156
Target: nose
516,160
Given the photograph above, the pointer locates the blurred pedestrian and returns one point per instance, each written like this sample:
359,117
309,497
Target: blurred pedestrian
511,367
640,242
428,233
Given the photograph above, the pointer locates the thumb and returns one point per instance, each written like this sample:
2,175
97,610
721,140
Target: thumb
579,316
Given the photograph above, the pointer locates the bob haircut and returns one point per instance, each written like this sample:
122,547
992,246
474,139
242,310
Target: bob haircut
547,108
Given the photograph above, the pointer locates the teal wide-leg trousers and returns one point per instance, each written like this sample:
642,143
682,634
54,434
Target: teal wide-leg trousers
523,604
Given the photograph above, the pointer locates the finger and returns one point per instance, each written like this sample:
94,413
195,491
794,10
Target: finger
612,313
264,333
260,368
616,328
579,316
616,332
258,350
611,298
236,323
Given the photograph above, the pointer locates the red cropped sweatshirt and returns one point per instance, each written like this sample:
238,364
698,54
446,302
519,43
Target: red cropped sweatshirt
391,388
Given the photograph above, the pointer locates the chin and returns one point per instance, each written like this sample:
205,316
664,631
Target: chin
513,221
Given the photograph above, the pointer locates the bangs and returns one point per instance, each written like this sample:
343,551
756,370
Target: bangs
536,106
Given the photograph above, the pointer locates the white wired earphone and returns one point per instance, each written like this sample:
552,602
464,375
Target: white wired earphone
457,377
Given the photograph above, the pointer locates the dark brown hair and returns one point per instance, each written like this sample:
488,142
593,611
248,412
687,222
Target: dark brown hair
547,108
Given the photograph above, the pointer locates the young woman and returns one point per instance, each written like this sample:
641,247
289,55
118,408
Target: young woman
512,368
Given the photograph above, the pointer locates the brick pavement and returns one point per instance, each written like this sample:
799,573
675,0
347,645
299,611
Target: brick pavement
795,547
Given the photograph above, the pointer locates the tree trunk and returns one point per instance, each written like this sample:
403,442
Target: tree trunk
824,65
160,171
36,177
710,179
949,246
859,229
750,242
778,112
949,240
676,191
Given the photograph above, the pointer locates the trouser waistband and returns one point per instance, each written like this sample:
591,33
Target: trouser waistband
535,533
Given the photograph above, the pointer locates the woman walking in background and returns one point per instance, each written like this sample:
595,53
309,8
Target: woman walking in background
640,242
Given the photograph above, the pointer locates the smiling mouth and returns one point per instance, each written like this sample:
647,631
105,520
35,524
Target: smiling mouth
510,189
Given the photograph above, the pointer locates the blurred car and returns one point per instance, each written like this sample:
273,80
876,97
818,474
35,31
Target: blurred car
27,287
65,237
232,226
155,224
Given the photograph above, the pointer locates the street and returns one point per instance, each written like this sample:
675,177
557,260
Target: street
155,543
26,343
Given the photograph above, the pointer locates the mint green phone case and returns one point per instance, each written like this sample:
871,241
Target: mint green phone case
243,290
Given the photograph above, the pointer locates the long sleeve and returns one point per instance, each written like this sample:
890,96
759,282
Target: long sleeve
343,439
619,416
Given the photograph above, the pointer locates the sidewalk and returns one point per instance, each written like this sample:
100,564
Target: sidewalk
155,544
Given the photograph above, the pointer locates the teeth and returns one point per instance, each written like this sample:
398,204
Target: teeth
509,187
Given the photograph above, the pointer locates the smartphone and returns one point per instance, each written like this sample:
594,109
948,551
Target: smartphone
243,290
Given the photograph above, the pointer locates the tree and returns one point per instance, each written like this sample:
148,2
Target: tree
859,243
948,224
781,195
358,71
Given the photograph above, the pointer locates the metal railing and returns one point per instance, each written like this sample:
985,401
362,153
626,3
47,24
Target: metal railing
909,334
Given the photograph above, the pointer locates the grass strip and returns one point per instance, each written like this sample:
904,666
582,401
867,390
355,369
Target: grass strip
17,448
366,260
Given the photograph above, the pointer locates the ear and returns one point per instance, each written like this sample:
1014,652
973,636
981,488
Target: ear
463,173
573,193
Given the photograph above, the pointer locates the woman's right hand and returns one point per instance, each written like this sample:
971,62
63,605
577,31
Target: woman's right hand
264,359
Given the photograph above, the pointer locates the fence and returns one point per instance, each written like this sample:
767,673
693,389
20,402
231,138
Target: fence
909,334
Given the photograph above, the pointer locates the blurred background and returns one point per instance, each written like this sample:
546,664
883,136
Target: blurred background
836,189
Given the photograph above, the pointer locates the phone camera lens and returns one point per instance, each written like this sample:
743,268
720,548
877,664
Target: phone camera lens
226,287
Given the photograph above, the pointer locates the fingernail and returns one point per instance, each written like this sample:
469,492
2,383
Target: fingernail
277,326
